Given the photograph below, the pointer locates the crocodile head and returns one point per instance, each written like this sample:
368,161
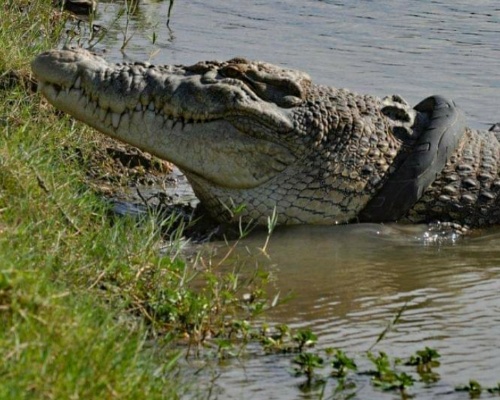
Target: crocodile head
243,132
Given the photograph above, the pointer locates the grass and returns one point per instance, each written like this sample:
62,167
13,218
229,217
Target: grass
64,332
89,307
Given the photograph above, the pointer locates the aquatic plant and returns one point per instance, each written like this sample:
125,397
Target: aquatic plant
388,373
474,389
307,363
341,363
425,360
304,338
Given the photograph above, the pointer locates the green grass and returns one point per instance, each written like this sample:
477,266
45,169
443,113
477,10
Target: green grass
88,305
69,275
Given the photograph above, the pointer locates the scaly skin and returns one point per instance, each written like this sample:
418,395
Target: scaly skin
254,134
467,190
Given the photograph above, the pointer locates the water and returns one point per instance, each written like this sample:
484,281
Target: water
349,281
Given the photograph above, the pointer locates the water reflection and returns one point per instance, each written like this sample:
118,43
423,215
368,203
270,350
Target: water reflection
338,271
351,280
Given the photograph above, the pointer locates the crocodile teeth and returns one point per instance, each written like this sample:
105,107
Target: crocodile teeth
102,114
170,125
115,119
77,83
107,120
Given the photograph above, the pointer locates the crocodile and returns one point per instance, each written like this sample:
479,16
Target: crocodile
259,141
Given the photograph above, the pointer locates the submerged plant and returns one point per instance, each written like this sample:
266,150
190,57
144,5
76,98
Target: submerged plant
382,364
306,364
304,338
342,363
494,389
388,374
474,389
425,360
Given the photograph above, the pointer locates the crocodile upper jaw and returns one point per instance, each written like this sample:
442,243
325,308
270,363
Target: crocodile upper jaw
165,111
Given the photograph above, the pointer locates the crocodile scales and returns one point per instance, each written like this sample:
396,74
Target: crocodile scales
265,137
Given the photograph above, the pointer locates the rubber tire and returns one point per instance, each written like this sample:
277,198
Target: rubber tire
426,160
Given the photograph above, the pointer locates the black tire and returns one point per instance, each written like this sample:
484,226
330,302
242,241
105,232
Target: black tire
424,162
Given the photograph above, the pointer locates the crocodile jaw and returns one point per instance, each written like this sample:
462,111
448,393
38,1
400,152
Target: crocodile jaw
171,114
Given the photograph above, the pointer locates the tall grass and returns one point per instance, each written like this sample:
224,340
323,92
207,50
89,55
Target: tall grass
67,271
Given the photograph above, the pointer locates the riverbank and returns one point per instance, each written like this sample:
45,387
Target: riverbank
68,272
82,290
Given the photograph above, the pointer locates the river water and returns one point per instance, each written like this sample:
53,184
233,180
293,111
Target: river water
349,281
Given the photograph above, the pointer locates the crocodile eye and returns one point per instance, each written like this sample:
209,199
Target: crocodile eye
231,71
200,68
